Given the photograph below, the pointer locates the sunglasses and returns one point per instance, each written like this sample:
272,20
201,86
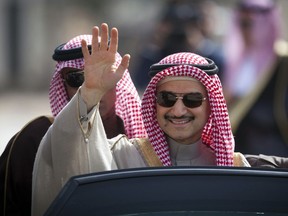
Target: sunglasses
74,78
190,100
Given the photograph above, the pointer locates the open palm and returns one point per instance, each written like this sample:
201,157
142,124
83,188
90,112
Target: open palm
100,70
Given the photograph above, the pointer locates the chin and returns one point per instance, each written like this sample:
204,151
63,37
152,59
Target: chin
181,140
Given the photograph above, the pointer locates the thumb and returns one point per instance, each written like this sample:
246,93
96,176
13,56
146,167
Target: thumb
125,62
123,65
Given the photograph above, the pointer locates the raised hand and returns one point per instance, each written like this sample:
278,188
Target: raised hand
100,70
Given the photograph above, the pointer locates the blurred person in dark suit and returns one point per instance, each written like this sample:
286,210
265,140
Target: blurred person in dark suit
184,26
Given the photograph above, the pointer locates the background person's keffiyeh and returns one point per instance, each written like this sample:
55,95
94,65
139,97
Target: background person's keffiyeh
127,104
217,132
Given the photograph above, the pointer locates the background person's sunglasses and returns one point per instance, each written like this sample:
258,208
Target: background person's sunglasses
74,78
190,100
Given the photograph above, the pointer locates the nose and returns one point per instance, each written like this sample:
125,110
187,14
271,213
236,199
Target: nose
179,109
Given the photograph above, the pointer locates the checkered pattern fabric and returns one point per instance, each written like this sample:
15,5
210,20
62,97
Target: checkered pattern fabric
127,104
217,132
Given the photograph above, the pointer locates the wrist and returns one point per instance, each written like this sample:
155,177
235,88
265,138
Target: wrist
91,97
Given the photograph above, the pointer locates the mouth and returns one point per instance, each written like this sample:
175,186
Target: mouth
180,121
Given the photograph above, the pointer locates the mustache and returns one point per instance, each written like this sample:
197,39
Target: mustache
169,117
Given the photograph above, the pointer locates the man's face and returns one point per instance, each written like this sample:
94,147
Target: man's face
107,103
181,123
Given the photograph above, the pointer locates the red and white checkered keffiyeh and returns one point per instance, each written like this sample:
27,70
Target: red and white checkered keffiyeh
127,104
217,132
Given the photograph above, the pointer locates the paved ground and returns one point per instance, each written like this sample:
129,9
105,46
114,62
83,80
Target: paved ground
18,108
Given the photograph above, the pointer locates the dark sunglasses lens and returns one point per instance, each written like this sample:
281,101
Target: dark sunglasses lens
75,79
193,100
166,99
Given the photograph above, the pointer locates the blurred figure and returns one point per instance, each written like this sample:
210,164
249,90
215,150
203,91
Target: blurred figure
185,26
255,79
16,162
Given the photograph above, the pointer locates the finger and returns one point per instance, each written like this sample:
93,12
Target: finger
84,48
125,61
104,37
124,64
114,40
95,38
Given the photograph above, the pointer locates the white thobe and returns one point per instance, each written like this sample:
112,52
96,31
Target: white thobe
76,144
